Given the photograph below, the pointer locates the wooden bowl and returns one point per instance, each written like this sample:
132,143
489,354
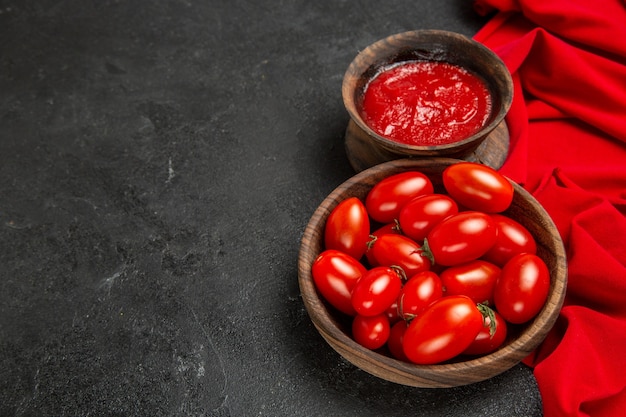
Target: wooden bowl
522,340
366,147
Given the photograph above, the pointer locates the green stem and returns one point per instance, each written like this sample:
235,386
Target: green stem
426,252
487,312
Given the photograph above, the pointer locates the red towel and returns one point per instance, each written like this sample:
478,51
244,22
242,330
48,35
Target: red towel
568,148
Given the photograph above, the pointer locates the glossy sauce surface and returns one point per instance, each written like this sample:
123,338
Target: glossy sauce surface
426,103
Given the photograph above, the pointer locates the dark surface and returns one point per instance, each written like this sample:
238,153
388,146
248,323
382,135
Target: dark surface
158,164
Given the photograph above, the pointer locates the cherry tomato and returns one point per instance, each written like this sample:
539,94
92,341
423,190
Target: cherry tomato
418,293
489,339
399,250
386,198
347,228
522,289
376,291
513,238
392,313
394,343
444,330
421,214
371,332
478,187
335,274
387,229
462,237
476,279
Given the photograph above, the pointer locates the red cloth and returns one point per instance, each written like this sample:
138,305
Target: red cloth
568,148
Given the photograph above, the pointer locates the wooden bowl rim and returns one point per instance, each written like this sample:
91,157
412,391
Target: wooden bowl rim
439,375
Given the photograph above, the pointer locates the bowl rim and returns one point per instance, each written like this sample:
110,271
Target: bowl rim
351,73
438,375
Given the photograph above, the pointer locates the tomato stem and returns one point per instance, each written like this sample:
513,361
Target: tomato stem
426,252
487,312
371,242
398,269
407,317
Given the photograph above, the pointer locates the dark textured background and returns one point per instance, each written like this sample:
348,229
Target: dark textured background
159,161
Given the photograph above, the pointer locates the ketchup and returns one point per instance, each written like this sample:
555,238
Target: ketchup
426,103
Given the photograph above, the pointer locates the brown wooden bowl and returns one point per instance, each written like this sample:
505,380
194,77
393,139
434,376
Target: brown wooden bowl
522,340
364,144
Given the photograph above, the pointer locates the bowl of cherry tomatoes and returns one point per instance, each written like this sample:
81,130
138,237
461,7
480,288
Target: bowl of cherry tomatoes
432,272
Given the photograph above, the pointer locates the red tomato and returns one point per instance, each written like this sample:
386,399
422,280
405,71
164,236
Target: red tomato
443,330
376,291
513,238
335,274
489,340
392,313
347,228
371,332
462,237
398,250
418,293
476,279
386,198
522,289
421,214
388,229
478,187
394,343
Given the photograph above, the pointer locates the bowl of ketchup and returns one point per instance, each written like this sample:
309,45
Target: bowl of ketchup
426,93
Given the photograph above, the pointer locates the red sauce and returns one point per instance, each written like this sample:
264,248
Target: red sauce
426,103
